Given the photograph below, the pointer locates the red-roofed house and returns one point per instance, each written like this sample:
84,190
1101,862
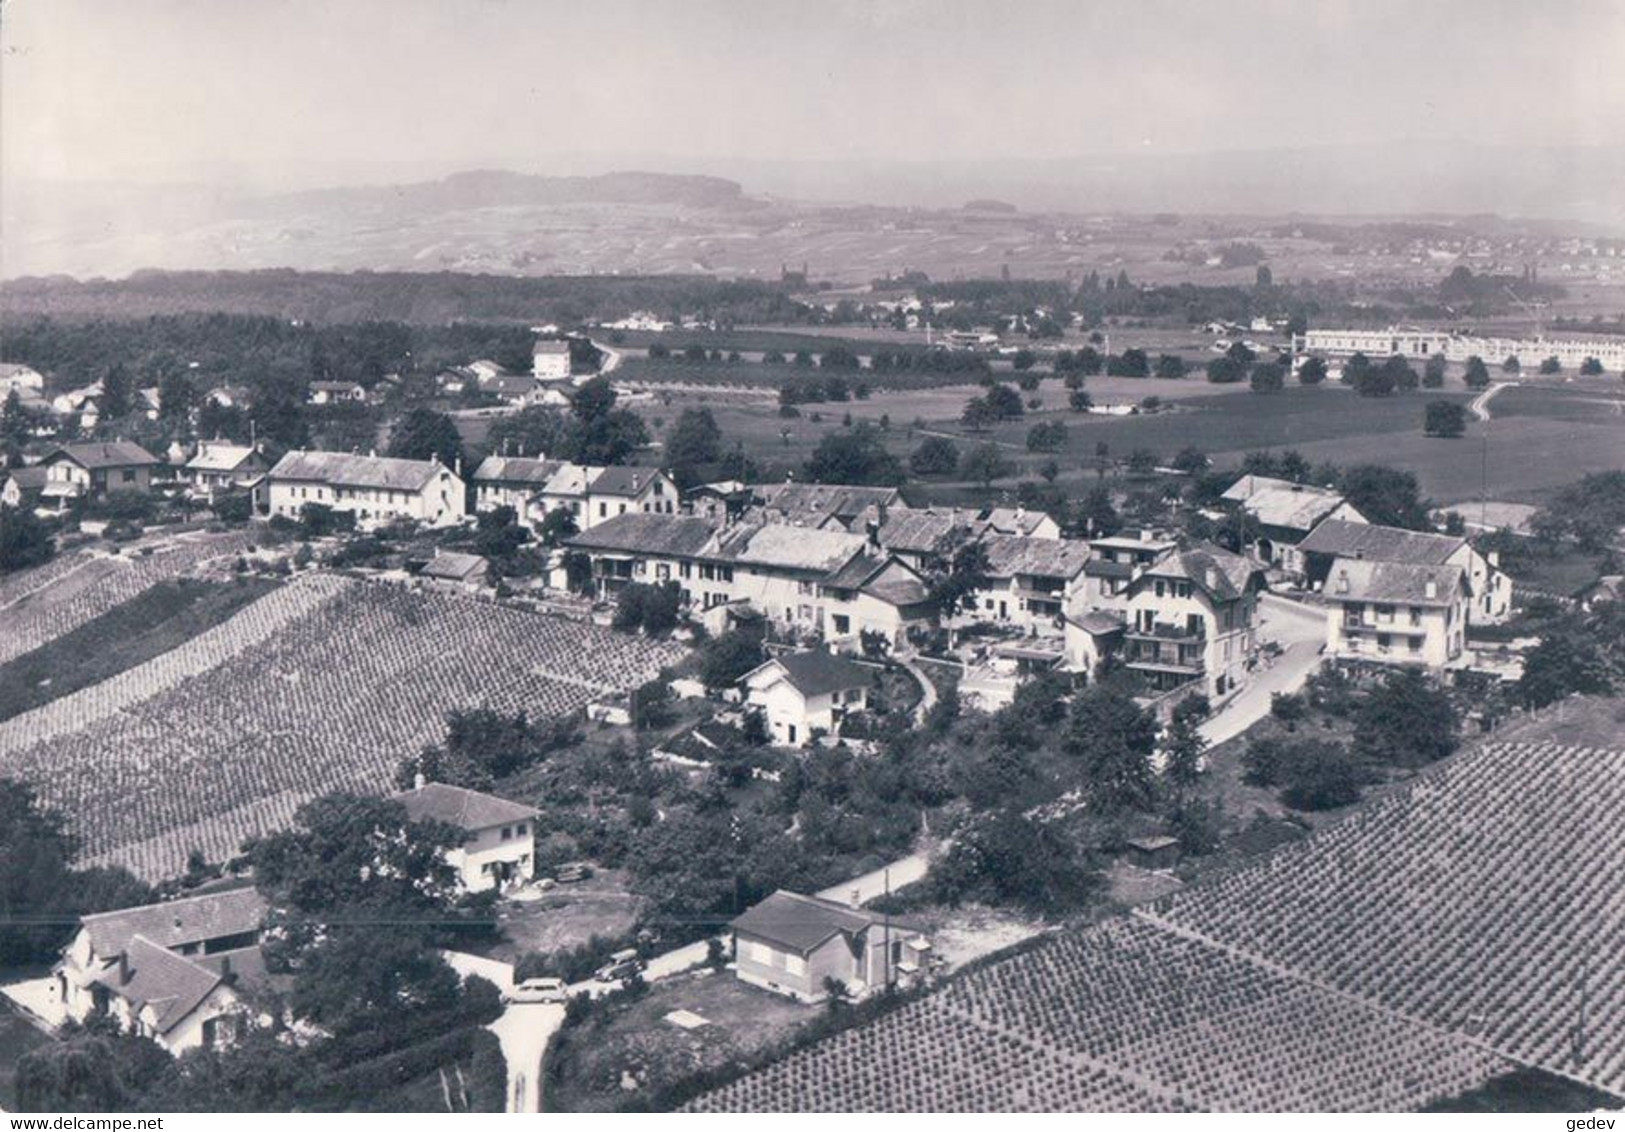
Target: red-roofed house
791,944
500,836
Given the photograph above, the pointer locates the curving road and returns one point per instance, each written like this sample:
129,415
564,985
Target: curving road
1480,406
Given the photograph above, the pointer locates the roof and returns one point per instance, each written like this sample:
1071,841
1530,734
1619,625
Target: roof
457,567
817,673
231,911
1343,539
1014,520
336,386
342,469
511,384
219,457
1397,583
109,454
461,807
1295,507
920,532
622,480
639,532
1247,485
550,346
1223,575
29,478
1010,555
793,548
570,479
821,500
526,470
171,985
1097,623
801,923
896,584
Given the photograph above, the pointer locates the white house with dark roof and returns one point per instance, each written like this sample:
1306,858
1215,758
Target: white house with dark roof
336,393
93,470
550,359
376,489
824,505
622,490
791,944
1192,615
1333,539
173,972
499,846
802,694
1397,612
1031,582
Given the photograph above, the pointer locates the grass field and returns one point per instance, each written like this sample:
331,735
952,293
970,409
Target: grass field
160,618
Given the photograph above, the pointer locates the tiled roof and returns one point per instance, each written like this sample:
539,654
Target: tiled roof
455,805
1224,575
342,469
1293,508
570,479
30,478
530,471
920,532
802,501
622,480
549,347
454,566
794,922
1397,583
110,454
219,457
793,548
1245,487
210,915
1382,544
171,985
1011,555
897,585
1014,520
815,672
1097,622
670,536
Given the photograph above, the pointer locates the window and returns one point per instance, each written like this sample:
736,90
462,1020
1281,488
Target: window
795,965
128,475
521,829
603,510
1416,615
507,832
843,623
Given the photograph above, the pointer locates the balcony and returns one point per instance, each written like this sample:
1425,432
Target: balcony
1164,631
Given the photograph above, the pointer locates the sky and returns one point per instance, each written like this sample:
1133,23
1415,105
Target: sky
285,93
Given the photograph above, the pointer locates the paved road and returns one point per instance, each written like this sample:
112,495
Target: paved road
928,690
1480,406
1301,631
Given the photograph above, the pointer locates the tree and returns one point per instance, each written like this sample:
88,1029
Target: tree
1477,374
24,539
1312,371
1003,402
1046,436
1321,776
1024,359
1019,860
936,456
693,444
1226,370
535,430
1374,381
1079,401
176,397
424,434
854,456
1385,495
1189,460
1444,419
118,393
1511,364
1184,750
1268,377
1096,515
1589,512
1171,366
1569,660
557,525
977,414
727,657
353,981
983,464
1551,365
1406,721
967,573
1591,367
1433,372
1132,362
1113,739
1141,462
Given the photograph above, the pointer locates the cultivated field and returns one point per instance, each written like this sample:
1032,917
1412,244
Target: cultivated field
325,684
1404,956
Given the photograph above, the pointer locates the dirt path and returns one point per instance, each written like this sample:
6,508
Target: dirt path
1480,406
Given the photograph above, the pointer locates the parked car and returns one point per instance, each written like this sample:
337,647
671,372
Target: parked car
622,965
539,989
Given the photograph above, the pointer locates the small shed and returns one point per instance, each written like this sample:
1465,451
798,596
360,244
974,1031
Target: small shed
1161,852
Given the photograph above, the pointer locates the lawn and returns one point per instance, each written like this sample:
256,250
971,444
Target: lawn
156,620
566,916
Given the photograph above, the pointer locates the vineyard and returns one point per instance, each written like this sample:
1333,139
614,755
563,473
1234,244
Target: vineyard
1484,899
1407,955
325,684
39,605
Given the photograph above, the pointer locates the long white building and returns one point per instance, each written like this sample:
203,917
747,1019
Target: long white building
377,489
1409,342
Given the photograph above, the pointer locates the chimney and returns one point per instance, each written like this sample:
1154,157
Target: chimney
418,781
1432,589
123,968
1212,578
226,974
1342,581
457,464
1494,558
372,453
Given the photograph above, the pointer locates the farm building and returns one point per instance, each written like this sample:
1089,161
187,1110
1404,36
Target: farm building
1279,514
792,944
167,971
1396,612
454,569
500,836
93,470
1334,539
550,360
805,693
376,489
1153,852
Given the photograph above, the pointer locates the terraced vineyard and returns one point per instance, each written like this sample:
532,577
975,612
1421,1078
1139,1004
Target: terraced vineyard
325,684
40,605
1409,954
1484,899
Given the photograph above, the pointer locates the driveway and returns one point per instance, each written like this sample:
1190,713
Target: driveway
524,1030
1301,631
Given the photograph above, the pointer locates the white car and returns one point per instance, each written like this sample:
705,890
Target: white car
539,989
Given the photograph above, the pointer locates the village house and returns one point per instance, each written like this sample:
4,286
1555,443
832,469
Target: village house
1335,538
550,360
1031,582
1278,515
1193,616
1114,562
499,843
376,489
805,694
20,379
723,500
621,490
820,505
336,393
510,481
94,470
22,486
1397,612
1020,521
173,972
793,945
456,570
219,466
510,388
